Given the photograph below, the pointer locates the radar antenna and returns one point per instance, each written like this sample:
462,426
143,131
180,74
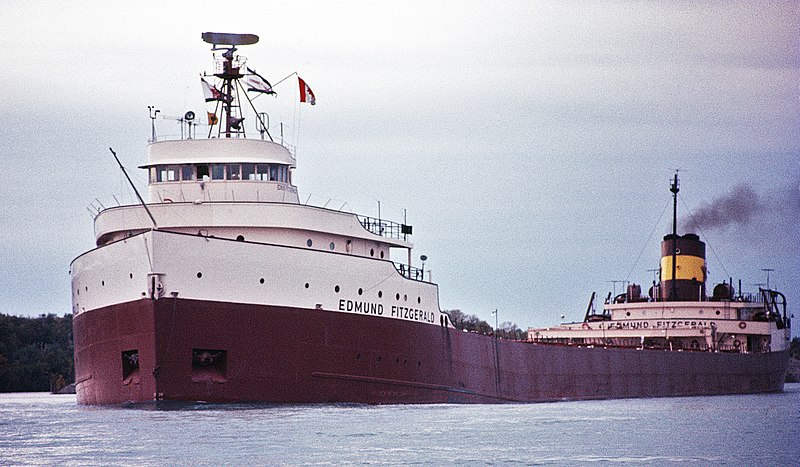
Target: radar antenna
217,38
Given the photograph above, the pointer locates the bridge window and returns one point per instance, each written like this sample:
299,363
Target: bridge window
187,172
217,172
251,172
271,172
262,172
168,173
202,171
248,171
234,172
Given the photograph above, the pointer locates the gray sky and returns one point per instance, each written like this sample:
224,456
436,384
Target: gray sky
532,144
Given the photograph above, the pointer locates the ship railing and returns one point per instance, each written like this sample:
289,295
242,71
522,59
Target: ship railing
410,272
385,228
744,297
599,343
749,298
310,199
99,205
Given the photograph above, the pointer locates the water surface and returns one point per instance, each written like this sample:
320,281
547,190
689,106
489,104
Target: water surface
764,429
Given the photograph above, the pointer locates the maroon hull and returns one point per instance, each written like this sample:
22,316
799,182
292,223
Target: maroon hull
177,349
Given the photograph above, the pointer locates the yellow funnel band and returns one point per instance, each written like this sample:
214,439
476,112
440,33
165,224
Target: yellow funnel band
688,268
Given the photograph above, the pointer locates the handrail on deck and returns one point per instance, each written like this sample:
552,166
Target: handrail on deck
410,272
385,228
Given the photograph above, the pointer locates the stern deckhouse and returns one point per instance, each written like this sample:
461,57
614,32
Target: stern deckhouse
676,313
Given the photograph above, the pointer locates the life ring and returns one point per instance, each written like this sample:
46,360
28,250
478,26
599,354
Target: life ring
742,325
737,344
585,326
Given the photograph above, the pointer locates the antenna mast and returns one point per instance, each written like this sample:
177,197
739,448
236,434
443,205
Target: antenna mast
674,188
229,72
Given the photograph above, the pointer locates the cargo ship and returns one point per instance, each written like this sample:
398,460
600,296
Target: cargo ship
223,287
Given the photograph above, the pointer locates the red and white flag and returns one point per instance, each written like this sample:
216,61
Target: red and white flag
306,95
212,93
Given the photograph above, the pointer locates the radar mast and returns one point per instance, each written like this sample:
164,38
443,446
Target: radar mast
229,71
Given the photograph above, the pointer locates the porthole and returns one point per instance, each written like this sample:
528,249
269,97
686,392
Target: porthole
131,275
360,291
306,284
261,280
240,238
405,298
717,312
309,242
336,289
380,294
199,275
381,254
700,312
103,283
372,251
397,297
627,313
78,290
419,299
87,288
331,246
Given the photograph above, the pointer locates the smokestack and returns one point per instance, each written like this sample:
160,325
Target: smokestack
690,267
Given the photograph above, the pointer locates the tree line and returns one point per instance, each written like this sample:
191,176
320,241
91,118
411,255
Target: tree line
36,354
471,323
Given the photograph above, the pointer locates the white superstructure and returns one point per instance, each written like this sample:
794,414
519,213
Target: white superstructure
223,222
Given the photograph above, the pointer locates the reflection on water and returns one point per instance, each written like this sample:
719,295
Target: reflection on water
748,429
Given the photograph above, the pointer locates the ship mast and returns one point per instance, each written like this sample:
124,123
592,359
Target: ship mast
673,292
229,72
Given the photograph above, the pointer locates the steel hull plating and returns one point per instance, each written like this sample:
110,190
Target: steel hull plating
298,355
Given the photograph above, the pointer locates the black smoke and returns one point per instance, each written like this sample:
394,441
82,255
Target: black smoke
738,207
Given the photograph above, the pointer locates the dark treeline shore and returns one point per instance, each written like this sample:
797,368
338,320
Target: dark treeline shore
36,353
